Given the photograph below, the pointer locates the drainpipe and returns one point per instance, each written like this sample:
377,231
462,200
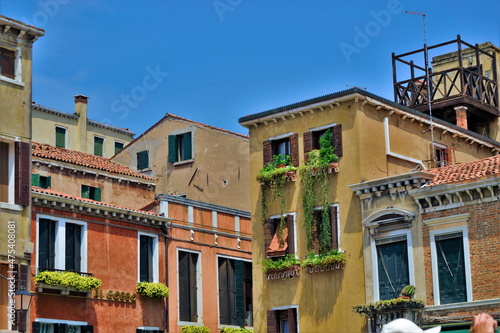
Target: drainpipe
398,156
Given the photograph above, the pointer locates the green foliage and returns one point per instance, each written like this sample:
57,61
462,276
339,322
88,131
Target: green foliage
195,329
275,168
326,152
365,309
152,289
321,260
280,263
68,279
236,330
408,290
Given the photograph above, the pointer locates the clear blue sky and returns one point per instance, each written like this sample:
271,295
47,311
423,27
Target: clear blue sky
214,61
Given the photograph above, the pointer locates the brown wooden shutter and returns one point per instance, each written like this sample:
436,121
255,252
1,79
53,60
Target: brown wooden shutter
23,173
21,275
268,152
334,226
290,239
8,59
272,321
268,233
337,139
308,145
292,321
294,149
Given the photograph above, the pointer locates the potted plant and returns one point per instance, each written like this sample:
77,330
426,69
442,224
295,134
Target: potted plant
324,262
66,281
407,292
282,267
152,289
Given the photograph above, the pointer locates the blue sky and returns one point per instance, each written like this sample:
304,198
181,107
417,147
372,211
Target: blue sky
214,61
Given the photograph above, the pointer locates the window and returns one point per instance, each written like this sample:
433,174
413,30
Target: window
180,147
235,292
92,193
284,144
60,137
143,160
443,156
148,258
98,146
282,320
61,244
450,266
148,330
55,326
325,231
311,139
189,286
8,63
15,171
118,146
279,239
41,181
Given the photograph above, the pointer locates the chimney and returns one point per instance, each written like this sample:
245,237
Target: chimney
461,113
81,111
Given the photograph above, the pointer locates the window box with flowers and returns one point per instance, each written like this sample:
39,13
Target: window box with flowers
330,261
66,282
281,268
152,289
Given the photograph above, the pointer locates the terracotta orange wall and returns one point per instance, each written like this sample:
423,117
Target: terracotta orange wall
112,257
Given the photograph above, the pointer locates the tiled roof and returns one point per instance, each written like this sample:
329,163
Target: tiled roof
72,197
79,158
467,172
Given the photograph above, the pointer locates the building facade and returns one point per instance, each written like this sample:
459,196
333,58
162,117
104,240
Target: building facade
16,52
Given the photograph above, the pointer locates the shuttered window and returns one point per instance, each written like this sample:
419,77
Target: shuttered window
285,146
180,147
8,63
46,243
4,172
279,244
142,160
98,146
311,140
41,181
282,321
188,286
92,193
38,327
146,258
60,137
324,232
451,268
73,247
392,264
118,146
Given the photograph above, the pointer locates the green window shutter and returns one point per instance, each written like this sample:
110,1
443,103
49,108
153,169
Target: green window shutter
85,191
451,268
35,179
48,182
239,276
60,137
118,146
143,160
187,146
97,194
393,272
98,146
172,148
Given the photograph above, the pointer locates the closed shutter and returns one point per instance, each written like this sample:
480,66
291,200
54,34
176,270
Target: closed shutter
23,173
188,289
223,292
451,268
97,194
35,179
187,146
21,275
267,151
142,160
239,278
73,247
308,144
268,233
98,146
272,321
193,292
291,234
46,246
85,191
392,266
334,227
146,258
172,148
60,137
292,321
118,147
337,140
7,63
294,149
4,172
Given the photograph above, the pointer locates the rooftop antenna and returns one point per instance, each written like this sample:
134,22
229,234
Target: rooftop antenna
427,78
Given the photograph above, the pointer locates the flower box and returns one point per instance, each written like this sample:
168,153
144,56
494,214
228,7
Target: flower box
285,273
324,268
58,289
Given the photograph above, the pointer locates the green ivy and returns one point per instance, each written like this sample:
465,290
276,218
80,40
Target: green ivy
383,305
281,263
152,289
68,279
195,329
321,260
236,330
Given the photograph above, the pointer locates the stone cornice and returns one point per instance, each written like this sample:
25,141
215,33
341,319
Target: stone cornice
19,29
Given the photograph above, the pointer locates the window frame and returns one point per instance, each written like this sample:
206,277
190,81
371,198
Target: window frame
277,314
65,136
434,263
374,257
140,160
177,151
155,256
97,192
60,241
311,138
36,180
96,138
10,173
334,207
120,143
199,286
269,148
295,244
18,78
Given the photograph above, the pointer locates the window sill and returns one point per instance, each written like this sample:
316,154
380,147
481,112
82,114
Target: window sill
485,302
184,162
144,170
12,81
12,207
187,323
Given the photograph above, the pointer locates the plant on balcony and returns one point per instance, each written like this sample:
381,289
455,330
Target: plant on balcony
407,292
195,329
387,305
152,289
314,173
273,175
236,330
68,279
279,264
334,257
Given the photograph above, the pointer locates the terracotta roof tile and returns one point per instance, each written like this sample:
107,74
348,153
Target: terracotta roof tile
467,172
79,158
73,197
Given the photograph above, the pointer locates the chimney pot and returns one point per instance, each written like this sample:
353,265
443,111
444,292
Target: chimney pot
81,99
461,114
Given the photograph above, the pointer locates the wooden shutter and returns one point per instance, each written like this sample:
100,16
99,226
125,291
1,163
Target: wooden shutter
184,286
334,227
268,233
239,279
22,275
393,270
98,146
97,194
48,182
337,140
291,234
272,321
60,137
35,179
7,63
294,149
23,173
451,268
308,144
73,247
172,148
193,292
4,172
223,292
142,160
187,146
267,151
292,321
85,191
46,246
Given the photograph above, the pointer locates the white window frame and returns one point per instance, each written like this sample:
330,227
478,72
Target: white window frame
199,295
156,275
295,245
435,270
181,132
11,175
60,241
18,80
373,246
297,315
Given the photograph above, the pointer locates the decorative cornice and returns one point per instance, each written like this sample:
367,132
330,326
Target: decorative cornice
201,204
